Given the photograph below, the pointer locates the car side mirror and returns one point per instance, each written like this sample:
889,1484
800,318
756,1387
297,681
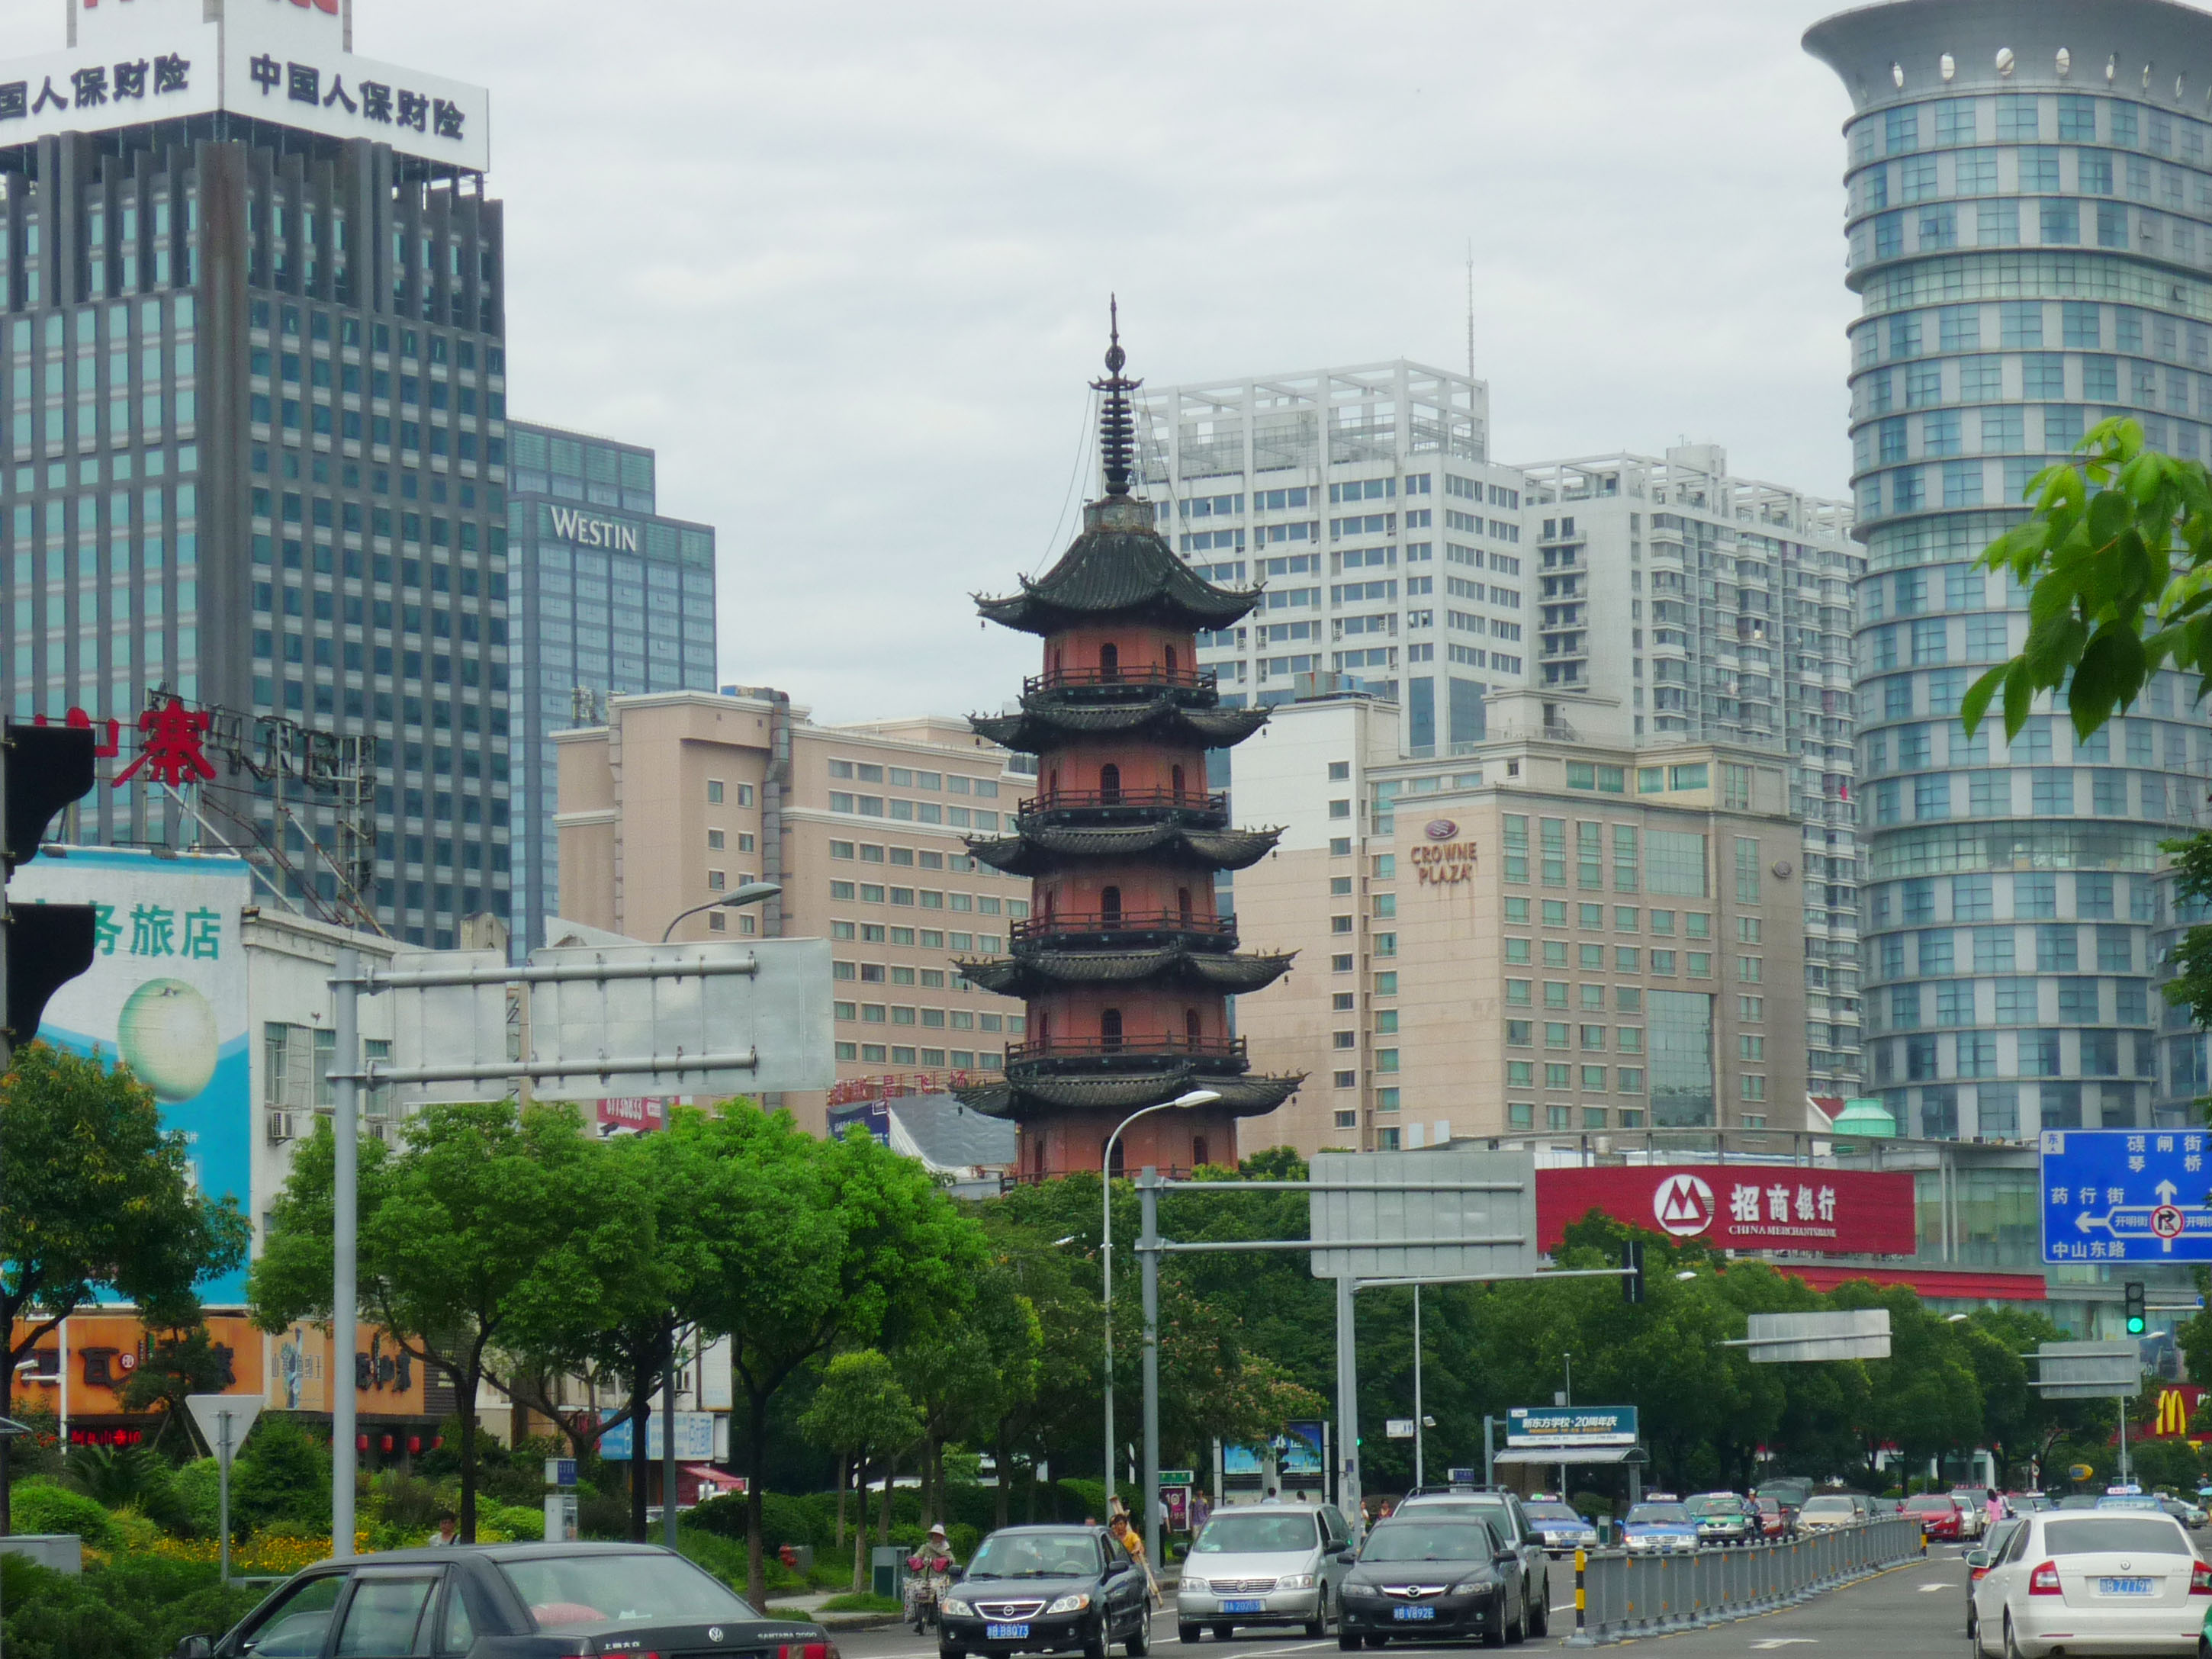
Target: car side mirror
1977,1558
1504,1557
194,1647
1349,1552
1121,1566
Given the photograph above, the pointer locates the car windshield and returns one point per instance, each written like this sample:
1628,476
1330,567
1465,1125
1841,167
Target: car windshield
1552,1512
2127,1501
578,1592
1714,1506
1826,1506
1657,1513
1929,1502
1429,1540
1037,1555
2151,1535
1257,1534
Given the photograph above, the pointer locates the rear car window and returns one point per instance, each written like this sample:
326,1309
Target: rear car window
2142,1534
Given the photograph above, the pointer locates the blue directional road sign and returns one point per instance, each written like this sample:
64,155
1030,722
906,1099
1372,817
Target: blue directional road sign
2126,1195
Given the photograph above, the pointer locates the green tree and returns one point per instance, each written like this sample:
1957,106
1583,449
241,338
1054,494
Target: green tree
461,1230
96,1193
968,1368
805,1245
860,1412
183,1361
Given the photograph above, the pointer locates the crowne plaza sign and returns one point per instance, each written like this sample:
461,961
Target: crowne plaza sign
1442,858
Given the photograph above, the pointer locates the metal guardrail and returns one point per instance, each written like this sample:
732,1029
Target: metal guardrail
1618,1597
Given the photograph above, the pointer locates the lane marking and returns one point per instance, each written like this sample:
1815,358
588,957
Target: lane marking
1930,1590
1785,1642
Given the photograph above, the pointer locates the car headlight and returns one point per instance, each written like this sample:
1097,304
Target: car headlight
1361,1592
1295,1581
1469,1585
958,1608
1074,1603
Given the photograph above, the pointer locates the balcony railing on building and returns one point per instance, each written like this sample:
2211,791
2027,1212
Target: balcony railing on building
1110,804
1137,1051
1129,677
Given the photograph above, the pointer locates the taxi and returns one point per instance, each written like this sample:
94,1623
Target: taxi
1660,1525
1556,1522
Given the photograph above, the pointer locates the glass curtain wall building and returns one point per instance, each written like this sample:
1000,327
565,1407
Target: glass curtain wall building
2030,223
612,599
255,442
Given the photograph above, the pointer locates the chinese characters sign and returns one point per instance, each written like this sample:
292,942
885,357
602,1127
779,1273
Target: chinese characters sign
1546,1428
1739,1207
166,994
2126,1195
144,60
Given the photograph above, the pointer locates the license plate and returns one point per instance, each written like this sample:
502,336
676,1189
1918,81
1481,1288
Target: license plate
1251,1606
1004,1633
2123,1587
1413,1613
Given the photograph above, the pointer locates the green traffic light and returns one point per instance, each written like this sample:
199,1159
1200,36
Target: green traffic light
2136,1327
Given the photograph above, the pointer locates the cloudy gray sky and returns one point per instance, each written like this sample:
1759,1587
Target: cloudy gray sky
844,263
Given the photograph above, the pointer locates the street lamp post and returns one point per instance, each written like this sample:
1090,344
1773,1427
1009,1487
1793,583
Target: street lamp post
750,892
1195,1098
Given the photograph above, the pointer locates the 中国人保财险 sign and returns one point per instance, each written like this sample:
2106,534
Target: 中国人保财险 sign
1739,1207
1550,1428
1442,858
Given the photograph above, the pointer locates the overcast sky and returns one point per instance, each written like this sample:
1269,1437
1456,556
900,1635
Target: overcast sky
845,263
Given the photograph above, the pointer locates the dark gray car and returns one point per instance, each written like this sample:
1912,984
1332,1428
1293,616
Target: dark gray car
1504,1512
1436,1573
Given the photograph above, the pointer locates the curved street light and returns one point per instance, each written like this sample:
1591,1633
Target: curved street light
1195,1098
751,892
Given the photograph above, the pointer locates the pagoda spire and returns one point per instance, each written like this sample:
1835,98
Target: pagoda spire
1117,427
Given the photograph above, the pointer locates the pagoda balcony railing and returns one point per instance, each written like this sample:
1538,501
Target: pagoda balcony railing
1108,800
1039,930
1136,1050
1136,677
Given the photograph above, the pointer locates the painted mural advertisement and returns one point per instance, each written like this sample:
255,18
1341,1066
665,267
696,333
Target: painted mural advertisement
165,994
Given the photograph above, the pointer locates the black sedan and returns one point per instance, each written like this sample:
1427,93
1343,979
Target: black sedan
1047,1590
510,1601
1430,1578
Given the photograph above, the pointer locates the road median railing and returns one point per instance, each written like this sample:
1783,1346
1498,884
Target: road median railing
1618,1596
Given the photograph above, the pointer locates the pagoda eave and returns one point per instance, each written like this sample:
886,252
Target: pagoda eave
1041,849
1041,725
1034,973
1240,1096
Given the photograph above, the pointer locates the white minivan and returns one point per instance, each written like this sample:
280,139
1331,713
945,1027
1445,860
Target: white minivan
1264,1563
2093,1582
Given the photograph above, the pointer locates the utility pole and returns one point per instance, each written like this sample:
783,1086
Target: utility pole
1148,1253
1419,1468
345,1289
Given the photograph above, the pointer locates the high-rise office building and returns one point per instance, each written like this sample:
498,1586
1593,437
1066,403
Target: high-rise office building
1732,598
2029,207
610,598
1364,498
254,449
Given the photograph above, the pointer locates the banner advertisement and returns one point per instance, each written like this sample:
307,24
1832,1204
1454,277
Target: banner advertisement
1554,1428
166,995
1739,1207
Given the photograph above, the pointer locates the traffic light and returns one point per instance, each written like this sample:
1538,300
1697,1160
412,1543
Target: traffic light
2137,1322
1631,1281
42,769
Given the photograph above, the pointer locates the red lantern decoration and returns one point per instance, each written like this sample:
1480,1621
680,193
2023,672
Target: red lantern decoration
360,1442
438,1443
414,1444
386,1443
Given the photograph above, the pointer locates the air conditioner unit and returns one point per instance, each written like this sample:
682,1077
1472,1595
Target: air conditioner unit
284,1126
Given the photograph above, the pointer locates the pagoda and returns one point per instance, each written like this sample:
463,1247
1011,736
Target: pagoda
1124,962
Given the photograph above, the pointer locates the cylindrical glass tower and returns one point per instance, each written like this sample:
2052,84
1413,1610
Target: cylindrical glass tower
2030,219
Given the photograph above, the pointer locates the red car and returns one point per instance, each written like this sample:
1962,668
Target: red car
1774,1521
1938,1515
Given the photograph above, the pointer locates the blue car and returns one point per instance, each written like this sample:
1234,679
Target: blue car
1660,1526
1562,1530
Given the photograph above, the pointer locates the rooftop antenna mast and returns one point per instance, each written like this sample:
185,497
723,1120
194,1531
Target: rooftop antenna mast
1470,308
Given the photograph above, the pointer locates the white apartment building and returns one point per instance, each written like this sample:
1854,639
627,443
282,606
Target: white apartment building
1732,599
1365,499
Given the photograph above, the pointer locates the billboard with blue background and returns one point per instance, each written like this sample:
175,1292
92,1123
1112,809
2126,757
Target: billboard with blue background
166,992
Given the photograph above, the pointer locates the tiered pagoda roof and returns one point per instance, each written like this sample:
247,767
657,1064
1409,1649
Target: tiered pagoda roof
1120,571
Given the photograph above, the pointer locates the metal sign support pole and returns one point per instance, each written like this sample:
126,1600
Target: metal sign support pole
1347,1406
2123,1439
345,1294
1148,1247
668,1445
1489,1451
222,1496
1419,1469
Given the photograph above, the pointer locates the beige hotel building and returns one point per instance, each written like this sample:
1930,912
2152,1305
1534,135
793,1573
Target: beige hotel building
682,795
1537,930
